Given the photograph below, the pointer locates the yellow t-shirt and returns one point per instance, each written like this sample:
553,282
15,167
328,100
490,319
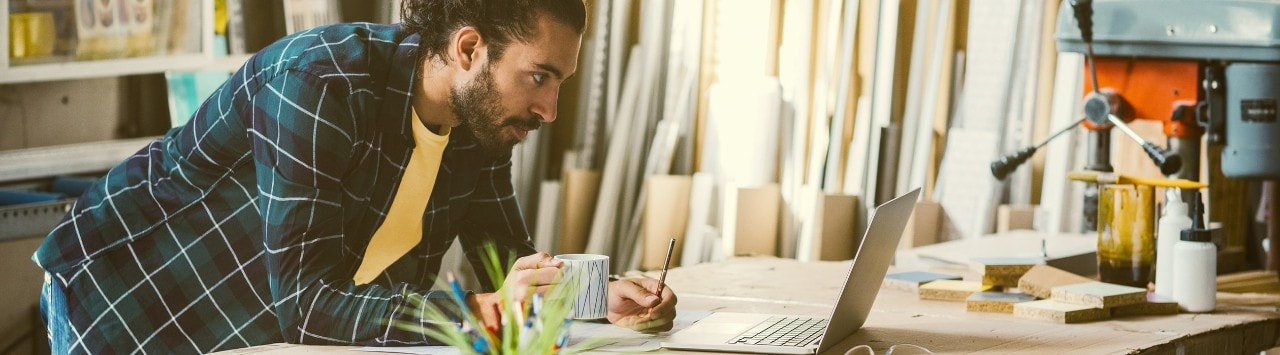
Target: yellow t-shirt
402,229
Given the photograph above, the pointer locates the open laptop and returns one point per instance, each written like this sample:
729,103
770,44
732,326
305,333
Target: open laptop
781,334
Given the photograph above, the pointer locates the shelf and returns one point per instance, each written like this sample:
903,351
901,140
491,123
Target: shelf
200,19
229,63
47,162
102,68
32,220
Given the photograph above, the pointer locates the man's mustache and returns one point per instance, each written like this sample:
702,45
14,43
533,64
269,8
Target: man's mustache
528,124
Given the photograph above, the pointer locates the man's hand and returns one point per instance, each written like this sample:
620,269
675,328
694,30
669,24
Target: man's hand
632,304
530,274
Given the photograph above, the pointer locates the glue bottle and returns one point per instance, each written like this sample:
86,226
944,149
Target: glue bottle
1170,229
1196,268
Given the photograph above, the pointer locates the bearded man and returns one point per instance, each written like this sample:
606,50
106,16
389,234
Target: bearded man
312,196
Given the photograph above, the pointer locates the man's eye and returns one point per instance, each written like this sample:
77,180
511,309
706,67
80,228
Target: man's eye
539,77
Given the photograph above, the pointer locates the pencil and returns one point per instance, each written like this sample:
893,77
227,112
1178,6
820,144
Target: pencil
662,279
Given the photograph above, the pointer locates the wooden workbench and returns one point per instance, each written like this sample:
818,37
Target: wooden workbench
788,286
772,285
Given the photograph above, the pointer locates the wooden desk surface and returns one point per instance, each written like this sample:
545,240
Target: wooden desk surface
771,285
789,286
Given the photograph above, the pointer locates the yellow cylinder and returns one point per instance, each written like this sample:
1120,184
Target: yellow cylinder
31,34
1126,234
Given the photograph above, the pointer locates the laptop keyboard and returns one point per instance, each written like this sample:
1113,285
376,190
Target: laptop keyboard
783,331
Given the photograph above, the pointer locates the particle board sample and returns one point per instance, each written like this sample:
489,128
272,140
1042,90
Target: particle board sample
996,302
1059,312
910,281
1099,294
997,266
950,290
1154,306
1041,279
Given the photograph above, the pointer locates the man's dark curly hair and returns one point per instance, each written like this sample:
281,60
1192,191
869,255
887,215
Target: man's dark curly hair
499,21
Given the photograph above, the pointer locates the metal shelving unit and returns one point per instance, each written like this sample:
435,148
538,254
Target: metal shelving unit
31,168
11,73
35,219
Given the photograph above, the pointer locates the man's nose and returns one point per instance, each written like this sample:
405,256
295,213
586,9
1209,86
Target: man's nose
545,106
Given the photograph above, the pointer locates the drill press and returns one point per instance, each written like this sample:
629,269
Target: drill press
1201,67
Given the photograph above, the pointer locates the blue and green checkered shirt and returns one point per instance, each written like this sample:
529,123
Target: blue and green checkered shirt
245,226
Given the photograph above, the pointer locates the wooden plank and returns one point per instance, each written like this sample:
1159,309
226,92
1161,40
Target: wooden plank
948,81
1041,280
917,117
1059,312
592,95
1060,198
796,77
833,177
548,224
1044,94
1005,266
605,218
910,281
950,290
995,302
706,76
1099,294
1154,306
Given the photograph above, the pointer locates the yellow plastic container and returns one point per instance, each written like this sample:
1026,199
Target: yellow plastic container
1126,234
31,34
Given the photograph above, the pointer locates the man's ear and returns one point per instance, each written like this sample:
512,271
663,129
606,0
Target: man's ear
467,47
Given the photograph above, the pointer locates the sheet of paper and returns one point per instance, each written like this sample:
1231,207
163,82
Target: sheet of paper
612,338
618,339
428,350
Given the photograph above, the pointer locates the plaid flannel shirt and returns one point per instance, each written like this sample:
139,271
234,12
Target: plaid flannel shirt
245,226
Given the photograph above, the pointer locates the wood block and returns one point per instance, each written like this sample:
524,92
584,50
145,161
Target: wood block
836,236
1059,312
1154,306
1041,279
1011,217
1249,281
666,214
755,221
1099,294
996,302
1005,266
922,228
1001,280
950,290
910,281
579,192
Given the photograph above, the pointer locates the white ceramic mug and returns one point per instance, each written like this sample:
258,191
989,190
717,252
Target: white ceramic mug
592,273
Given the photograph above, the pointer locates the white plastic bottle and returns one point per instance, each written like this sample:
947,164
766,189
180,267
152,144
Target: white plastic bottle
1169,231
1196,269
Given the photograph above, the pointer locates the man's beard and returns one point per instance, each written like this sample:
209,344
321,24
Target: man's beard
477,107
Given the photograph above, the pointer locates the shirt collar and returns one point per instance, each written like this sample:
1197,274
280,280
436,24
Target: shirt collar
397,107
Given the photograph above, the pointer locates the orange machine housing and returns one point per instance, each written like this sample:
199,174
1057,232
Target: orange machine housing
1152,90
